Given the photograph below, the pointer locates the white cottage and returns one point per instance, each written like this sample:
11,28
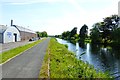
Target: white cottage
9,34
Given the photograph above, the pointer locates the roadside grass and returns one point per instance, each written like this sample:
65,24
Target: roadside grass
64,64
44,69
13,52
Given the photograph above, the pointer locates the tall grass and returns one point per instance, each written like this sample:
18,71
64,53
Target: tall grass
64,64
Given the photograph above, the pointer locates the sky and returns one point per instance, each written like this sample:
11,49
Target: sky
55,16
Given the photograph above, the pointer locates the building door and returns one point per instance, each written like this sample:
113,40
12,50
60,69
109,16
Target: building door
15,37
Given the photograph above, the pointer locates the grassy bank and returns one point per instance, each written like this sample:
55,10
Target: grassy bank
44,68
13,52
63,64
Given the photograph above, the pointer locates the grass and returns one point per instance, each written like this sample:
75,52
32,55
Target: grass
13,52
64,64
44,68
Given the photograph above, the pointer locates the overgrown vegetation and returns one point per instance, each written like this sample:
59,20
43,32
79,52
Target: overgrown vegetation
13,52
106,32
64,64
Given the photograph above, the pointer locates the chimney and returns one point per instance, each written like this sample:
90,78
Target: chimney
11,22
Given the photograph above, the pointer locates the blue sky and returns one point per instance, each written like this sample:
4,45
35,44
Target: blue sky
56,16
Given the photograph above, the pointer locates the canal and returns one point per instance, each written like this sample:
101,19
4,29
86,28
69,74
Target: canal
102,58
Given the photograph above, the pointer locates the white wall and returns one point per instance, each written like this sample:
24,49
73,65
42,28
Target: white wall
9,35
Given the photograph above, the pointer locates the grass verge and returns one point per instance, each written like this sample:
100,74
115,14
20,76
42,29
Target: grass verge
13,52
64,64
44,68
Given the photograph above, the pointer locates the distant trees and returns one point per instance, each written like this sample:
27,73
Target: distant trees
42,34
72,35
58,36
38,34
105,32
66,35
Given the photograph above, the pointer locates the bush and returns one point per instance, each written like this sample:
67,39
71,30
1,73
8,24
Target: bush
66,45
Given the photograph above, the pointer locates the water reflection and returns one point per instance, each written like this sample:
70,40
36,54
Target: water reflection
82,45
105,58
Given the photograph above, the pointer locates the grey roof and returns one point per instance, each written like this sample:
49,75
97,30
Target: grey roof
20,28
2,28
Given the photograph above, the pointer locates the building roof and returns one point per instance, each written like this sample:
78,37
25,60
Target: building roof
3,28
20,28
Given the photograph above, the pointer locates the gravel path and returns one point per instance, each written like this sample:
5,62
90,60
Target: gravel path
26,65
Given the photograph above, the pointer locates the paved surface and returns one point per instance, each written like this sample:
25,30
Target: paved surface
11,45
26,65
8,46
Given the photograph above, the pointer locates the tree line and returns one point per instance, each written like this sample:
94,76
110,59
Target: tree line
105,32
42,34
72,35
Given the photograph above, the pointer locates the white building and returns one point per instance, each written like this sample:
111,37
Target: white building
15,33
9,34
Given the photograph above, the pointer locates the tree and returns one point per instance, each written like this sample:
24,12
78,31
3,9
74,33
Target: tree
42,34
39,34
83,32
116,36
66,35
105,30
72,35
58,36
95,34
73,32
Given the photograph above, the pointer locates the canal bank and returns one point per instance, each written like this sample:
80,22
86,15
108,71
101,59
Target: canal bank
64,64
102,58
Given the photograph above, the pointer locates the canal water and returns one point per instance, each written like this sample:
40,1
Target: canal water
102,58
